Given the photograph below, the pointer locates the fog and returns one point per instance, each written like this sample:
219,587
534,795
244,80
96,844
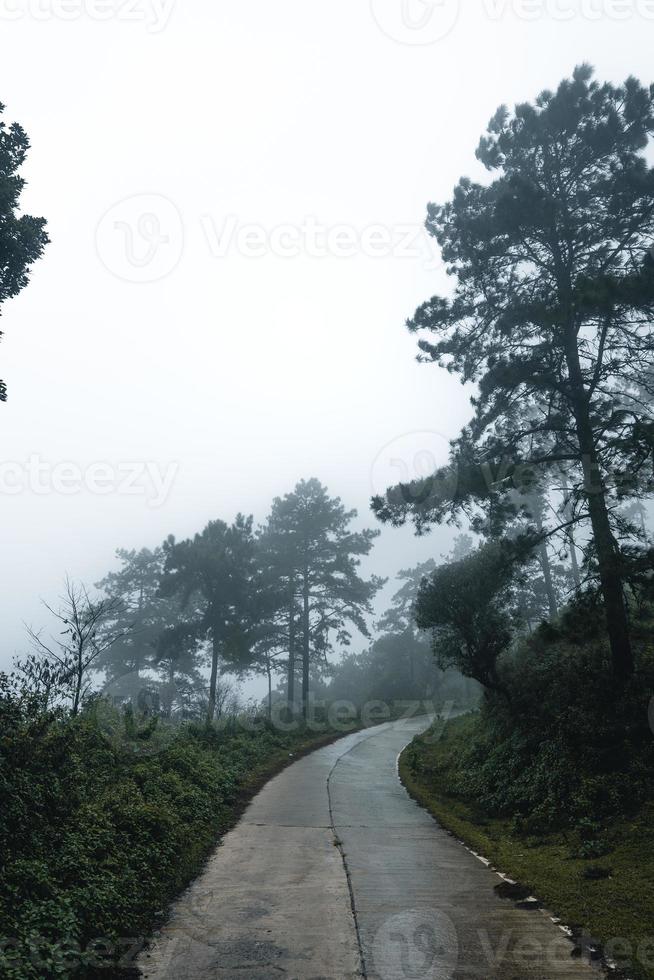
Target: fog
235,196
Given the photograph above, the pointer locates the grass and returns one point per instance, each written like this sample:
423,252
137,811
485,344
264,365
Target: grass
609,896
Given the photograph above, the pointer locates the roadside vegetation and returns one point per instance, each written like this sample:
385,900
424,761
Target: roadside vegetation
124,753
552,610
126,750
590,860
106,816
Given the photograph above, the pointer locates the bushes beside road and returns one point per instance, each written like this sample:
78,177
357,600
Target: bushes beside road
554,783
105,819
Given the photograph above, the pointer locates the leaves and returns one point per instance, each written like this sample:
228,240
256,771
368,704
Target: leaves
22,237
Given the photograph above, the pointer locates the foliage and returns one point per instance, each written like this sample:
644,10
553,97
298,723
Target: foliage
316,555
564,746
22,237
551,318
103,822
162,638
62,667
134,588
609,902
216,575
398,667
465,606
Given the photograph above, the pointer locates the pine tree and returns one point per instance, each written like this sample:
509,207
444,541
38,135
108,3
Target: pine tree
551,317
134,589
22,237
318,557
216,578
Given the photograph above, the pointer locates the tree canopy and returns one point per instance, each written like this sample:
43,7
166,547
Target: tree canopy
317,555
22,237
550,317
216,572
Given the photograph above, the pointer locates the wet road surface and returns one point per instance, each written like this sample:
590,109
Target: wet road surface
334,873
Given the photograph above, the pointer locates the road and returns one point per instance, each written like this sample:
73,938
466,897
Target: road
334,873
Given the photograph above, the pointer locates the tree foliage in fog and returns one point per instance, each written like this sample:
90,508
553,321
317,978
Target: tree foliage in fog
215,574
466,606
399,665
309,540
63,664
551,318
134,587
22,237
162,640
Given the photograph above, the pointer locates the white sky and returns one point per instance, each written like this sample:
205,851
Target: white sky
244,372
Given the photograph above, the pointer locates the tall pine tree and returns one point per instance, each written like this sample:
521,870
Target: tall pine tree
551,316
318,555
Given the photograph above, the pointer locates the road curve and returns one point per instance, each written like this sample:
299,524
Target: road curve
334,873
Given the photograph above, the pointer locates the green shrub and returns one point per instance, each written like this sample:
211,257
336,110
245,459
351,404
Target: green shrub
102,823
567,744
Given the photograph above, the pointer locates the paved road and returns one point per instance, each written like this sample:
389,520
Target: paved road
334,873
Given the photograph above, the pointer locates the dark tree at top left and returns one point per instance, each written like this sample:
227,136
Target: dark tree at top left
22,237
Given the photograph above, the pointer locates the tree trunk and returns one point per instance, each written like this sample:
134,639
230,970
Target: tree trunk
605,544
573,559
79,678
213,680
269,673
305,643
546,569
168,701
571,536
611,585
290,684
547,576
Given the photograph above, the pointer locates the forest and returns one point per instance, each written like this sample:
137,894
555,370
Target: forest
126,749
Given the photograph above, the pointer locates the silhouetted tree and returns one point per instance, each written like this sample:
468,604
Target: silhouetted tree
135,587
466,606
68,662
215,573
22,237
319,556
551,317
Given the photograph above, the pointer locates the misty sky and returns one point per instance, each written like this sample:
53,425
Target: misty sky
235,194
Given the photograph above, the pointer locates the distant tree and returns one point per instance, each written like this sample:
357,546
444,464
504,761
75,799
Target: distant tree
22,237
534,593
400,617
177,657
216,578
135,589
636,512
462,547
279,632
319,556
466,606
65,665
395,667
552,318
